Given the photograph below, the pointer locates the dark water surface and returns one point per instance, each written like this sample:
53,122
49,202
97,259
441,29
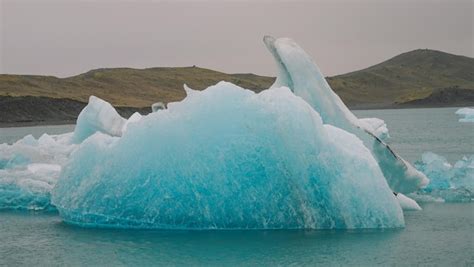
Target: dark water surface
414,131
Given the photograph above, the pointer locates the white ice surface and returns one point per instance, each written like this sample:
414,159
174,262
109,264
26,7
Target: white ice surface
98,116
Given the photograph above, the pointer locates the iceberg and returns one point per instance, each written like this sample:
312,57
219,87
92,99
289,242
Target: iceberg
466,114
298,72
448,183
30,168
227,158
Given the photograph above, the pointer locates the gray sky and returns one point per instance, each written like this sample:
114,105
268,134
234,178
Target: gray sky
65,38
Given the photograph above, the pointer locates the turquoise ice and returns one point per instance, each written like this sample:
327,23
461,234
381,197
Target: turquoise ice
227,158
29,169
448,182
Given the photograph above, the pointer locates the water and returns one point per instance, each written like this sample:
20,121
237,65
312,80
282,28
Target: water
441,234
12,134
414,131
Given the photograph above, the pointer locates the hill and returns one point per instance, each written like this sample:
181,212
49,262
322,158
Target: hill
407,79
126,86
420,78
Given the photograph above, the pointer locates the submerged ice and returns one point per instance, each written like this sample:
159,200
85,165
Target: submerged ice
227,158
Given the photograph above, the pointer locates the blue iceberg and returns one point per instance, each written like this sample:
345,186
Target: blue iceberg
227,158
448,183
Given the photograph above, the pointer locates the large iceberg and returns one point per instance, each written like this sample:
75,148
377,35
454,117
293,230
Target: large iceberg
448,183
227,158
466,114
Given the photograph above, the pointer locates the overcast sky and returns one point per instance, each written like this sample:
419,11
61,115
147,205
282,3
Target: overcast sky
65,38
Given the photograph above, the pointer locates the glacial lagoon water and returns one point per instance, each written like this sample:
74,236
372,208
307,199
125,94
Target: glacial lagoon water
441,234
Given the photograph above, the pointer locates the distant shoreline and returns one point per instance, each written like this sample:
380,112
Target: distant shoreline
71,122
417,79
35,123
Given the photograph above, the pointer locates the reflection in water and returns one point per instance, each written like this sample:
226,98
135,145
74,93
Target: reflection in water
226,247
440,234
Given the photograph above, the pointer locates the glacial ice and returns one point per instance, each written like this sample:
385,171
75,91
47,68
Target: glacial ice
298,72
466,114
29,170
448,183
98,116
227,158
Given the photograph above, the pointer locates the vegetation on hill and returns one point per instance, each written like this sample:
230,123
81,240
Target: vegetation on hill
125,86
405,78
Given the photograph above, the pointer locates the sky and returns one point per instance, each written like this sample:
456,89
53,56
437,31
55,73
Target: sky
66,38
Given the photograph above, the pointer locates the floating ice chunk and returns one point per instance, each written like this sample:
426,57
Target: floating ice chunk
298,72
447,182
444,175
227,158
98,116
407,203
157,106
438,168
28,188
467,114
30,168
